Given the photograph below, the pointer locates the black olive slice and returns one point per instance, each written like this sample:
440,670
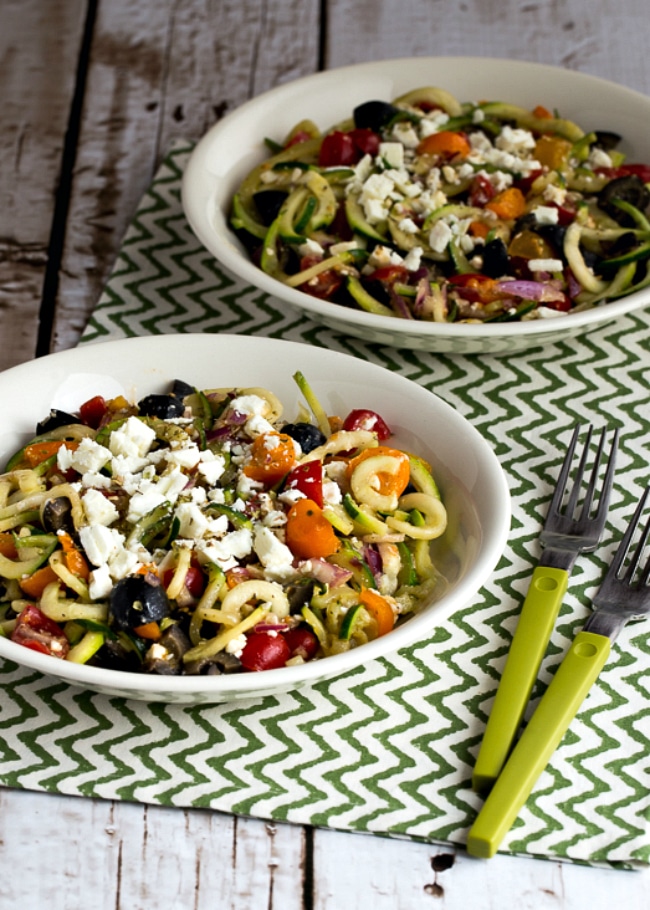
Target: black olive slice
306,435
607,140
374,115
163,406
495,258
629,189
54,420
268,203
135,601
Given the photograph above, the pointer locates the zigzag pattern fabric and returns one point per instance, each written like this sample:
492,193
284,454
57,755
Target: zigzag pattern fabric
389,748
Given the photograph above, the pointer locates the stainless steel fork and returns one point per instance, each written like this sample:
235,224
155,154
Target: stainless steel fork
624,593
574,524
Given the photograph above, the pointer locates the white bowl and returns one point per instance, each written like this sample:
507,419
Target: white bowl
235,145
472,482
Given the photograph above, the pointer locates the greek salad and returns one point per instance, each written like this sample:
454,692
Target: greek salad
427,208
200,532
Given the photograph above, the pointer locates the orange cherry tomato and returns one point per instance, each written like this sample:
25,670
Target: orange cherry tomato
446,143
393,483
379,608
308,532
272,457
38,452
508,204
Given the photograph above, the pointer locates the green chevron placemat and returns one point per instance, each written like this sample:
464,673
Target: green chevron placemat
388,749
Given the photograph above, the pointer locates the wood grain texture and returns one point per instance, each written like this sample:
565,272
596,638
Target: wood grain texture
39,45
159,72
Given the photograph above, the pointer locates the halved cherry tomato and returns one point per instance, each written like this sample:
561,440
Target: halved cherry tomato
272,457
302,642
36,631
7,545
345,149
446,143
389,274
508,204
386,483
324,285
338,148
34,585
308,479
92,411
38,452
194,580
265,651
476,287
74,559
379,608
364,419
308,532
642,171
542,113
481,191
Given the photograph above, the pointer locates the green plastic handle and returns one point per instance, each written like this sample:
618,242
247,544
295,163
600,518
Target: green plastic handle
559,705
536,621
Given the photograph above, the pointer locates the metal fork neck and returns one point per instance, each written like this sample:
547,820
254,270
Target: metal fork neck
553,558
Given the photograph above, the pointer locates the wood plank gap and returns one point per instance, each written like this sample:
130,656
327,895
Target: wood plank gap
322,35
63,192
308,869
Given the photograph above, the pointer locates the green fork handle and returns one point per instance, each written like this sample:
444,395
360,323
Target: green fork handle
557,708
536,621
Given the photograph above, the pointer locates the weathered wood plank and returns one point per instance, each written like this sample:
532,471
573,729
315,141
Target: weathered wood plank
39,45
159,72
595,38
72,852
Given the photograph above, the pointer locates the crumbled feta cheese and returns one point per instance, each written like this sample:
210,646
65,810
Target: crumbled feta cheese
100,583
211,466
413,259
439,236
100,543
275,556
186,456
133,439
192,521
236,646
89,456
98,509
545,265
546,214
392,153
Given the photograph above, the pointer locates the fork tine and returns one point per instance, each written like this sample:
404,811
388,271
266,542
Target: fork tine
641,545
563,477
603,499
577,483
624,546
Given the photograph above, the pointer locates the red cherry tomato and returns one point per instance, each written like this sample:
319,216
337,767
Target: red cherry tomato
36,631
363,419
308,479
264,651
194,580
338,148
366,141
389,274
302,642
92,411
626,170
481,191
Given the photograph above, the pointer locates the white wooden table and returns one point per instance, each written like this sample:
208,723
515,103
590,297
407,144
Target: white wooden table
92,93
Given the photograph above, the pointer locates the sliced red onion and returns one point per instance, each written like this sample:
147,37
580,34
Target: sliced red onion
532,290
328,574
400,305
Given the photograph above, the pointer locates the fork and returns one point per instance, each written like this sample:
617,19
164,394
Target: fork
563,537
621,596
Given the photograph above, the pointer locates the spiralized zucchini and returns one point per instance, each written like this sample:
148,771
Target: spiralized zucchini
433,209
199,531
